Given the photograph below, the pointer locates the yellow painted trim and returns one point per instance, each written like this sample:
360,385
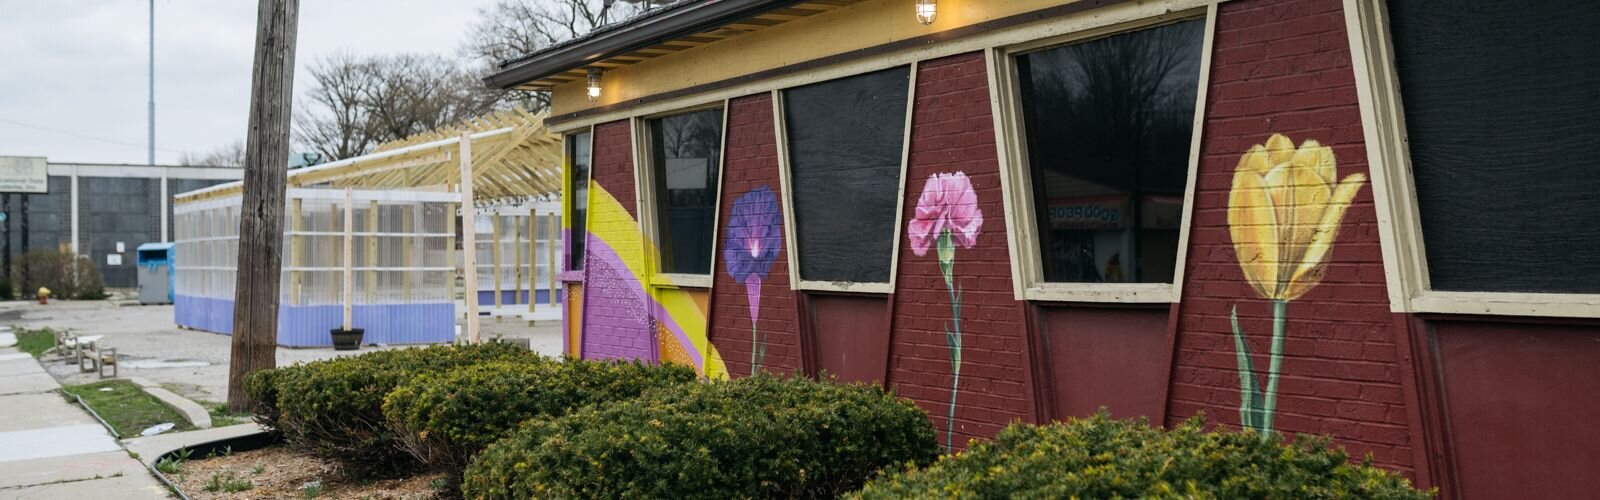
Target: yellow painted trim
1186,220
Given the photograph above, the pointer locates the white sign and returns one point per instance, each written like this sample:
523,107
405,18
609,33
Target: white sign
24,174
121,248
113,259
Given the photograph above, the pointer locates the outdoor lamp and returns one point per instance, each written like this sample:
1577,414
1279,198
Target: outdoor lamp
927,10
594,83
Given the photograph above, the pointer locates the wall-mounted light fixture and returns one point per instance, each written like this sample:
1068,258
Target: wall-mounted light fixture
594,83
927,10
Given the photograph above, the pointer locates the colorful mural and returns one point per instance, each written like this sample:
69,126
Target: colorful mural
754,234
947,216
1284,213
622,303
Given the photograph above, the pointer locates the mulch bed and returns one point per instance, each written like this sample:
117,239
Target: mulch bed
278,472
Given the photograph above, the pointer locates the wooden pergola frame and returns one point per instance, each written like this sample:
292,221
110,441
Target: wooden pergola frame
513,158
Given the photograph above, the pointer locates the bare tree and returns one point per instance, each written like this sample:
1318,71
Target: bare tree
228,155
510,29
356,103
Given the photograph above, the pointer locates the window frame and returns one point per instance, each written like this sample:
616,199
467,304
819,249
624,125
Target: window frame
791,245
645,194
1405,265
1016,176
567,273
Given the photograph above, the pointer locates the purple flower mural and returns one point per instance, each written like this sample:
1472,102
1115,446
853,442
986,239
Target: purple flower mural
947,216
754,233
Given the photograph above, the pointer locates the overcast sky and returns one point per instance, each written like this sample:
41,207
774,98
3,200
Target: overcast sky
73,80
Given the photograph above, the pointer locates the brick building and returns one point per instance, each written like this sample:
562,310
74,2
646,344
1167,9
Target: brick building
1028,210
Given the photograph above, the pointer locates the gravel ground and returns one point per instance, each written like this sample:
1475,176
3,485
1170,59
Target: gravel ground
278,472
192,363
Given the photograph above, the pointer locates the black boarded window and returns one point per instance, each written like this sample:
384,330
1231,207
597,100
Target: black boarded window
686,153
1108,125
579,157
1502,112
845,140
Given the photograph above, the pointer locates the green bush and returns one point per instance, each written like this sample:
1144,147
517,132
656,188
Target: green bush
262,387
1102,458
334,408
444,420
759,437
68,276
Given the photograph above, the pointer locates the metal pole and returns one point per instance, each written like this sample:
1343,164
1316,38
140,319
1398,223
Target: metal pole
151,156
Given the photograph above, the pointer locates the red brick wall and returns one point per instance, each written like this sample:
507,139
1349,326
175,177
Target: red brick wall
953,130
751,161
1284,67
613,163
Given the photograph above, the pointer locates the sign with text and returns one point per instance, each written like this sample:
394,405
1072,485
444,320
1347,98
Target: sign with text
23,174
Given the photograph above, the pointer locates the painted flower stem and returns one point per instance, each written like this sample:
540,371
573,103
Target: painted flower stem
1257,405
952,333
1280,309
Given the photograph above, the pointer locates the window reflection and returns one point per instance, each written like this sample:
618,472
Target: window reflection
1108,125
578,153
686,150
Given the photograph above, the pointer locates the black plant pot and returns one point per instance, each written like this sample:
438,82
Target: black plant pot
347,340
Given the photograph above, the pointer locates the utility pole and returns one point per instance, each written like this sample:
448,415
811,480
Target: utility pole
150,158
266,168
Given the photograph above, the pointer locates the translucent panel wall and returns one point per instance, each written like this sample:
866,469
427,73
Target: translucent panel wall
400,247
522,251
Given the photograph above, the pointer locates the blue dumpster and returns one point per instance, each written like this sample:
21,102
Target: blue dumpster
155,273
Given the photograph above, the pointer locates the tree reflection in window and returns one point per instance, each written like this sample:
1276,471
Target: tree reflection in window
1108,123
686,150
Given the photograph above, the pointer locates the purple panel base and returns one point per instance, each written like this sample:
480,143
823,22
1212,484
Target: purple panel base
308,326
509,297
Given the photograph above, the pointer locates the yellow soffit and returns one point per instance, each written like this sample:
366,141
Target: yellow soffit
861,25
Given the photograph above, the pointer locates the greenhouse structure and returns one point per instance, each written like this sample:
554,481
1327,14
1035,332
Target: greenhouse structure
374,242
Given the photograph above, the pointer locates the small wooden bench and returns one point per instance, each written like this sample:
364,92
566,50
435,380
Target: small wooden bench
98,359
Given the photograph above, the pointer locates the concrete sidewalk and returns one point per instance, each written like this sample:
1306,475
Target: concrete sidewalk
50,448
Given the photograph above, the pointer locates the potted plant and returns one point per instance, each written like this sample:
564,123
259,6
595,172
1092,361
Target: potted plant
347,339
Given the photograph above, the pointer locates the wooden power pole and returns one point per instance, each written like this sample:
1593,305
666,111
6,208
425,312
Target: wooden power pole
255,299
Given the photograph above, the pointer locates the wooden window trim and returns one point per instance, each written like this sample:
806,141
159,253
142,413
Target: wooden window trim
645,195
1016,180
1405,265
791,246
567,273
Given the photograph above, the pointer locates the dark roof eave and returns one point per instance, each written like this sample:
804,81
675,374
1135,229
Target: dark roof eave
637,34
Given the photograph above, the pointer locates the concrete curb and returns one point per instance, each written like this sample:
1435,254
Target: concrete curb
190,410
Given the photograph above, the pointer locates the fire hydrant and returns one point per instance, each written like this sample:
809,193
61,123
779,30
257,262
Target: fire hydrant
44,295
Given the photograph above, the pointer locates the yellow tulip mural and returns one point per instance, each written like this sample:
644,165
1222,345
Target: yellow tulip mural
1284,213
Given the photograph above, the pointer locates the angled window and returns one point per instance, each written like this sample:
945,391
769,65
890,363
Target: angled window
1498,125
1107,125
845,145
685,158
579,160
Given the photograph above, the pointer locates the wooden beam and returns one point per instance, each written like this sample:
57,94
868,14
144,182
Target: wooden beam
372,252
349,227
469,213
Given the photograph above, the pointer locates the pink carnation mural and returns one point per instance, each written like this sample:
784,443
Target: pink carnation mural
947,217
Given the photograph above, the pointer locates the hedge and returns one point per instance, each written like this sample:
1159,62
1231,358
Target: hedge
758,437
334,408
1102,458
262,387
445,419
